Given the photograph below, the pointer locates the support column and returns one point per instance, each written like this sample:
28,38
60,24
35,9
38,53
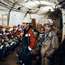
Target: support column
63,20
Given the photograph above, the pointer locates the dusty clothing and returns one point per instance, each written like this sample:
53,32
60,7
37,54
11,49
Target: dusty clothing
28,42
48,46
32,39
40,40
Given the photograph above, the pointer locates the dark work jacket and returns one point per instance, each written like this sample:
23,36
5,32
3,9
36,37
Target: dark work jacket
24,53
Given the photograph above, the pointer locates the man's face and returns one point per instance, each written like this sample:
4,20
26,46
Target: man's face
64,36
19,26
47,28
14,28
25,25
42,29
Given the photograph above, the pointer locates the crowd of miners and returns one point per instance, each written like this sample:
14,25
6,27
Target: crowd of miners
31,43
8,40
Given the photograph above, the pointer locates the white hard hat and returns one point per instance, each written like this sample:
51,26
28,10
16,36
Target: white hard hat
27,19
3,29
10,29
48,21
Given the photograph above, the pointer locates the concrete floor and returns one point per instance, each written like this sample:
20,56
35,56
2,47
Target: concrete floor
10,60
58,57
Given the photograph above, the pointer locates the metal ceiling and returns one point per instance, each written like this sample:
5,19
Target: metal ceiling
17,5
9,3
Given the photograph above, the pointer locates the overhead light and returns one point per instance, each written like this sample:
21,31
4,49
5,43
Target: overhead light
19,8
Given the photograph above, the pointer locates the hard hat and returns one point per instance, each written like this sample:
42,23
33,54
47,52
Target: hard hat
27,19
10,29
1,26
3,29
48,21
14,26
7,27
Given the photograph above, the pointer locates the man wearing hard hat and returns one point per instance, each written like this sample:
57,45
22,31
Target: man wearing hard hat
28,43
50,42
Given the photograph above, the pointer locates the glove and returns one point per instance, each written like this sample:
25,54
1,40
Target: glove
29,49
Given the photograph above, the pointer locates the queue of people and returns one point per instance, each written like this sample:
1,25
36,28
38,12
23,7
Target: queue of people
34,43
